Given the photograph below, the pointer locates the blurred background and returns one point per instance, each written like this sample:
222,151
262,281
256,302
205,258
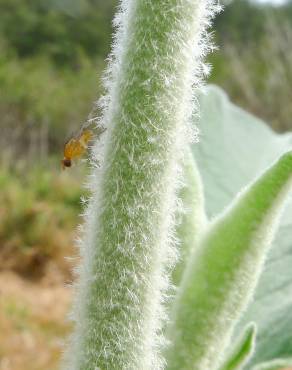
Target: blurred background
52,54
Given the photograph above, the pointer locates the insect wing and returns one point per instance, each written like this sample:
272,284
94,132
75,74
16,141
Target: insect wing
85,137
73,149
76,146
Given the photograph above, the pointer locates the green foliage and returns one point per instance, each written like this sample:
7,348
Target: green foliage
242,146
229,25
34,95
242,350
253,61
63,30
50,51
221,274
37,214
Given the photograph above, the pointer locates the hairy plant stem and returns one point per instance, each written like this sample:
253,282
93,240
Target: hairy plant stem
127,242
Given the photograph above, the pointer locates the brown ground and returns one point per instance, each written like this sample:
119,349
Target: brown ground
32,320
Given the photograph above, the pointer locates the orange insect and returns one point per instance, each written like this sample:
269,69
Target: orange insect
76,147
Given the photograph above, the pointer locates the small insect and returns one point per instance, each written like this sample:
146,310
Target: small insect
76,146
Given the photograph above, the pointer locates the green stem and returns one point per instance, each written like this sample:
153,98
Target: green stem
129,224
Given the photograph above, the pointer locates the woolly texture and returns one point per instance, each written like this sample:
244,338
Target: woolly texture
221,277
128,243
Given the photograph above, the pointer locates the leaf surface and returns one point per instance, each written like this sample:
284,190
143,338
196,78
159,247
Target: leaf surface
234,148
242,350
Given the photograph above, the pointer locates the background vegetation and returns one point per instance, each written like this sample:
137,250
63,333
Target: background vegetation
52,54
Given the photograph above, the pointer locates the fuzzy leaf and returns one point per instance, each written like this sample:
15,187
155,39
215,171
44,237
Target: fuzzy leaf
242,350
234,147
221,276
